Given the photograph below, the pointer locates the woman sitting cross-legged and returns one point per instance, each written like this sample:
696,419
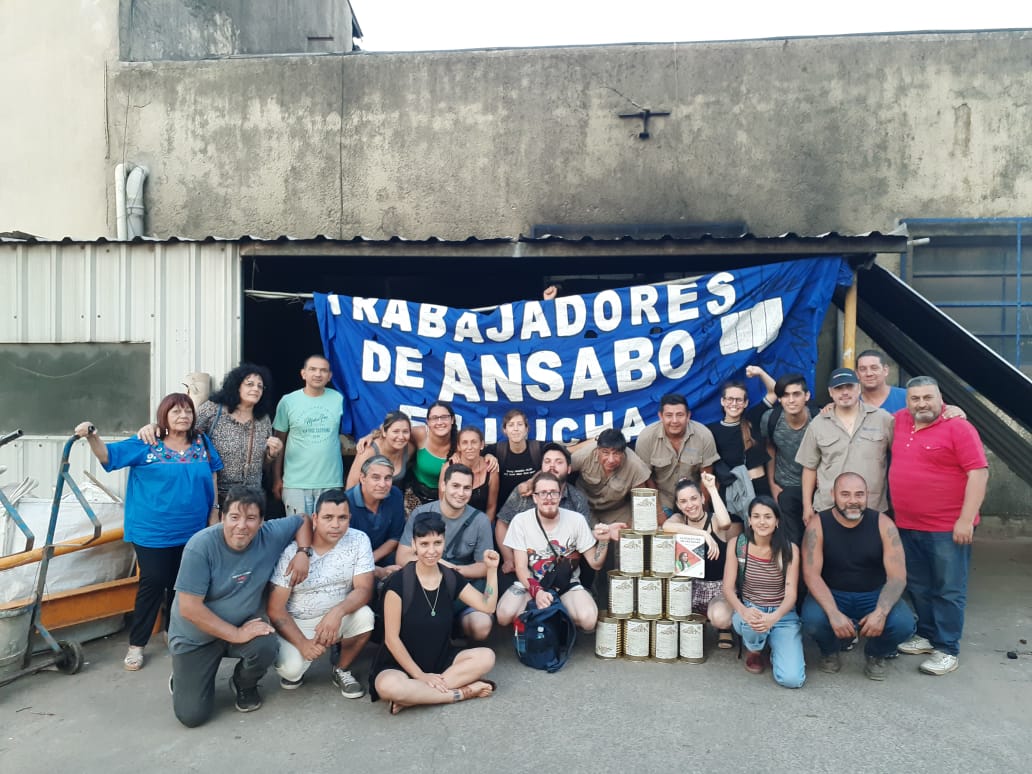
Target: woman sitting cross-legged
761,587
416,663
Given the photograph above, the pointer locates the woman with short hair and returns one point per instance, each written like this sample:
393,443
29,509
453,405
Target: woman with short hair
417,663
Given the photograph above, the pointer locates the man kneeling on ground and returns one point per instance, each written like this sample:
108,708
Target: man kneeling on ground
218,604
548,537
330,606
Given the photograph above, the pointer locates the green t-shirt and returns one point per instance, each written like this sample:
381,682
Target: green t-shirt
312,457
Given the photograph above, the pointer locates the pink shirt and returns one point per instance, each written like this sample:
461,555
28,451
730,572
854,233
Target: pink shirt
928,474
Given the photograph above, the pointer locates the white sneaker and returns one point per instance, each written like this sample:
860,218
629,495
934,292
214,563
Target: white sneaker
939,663
915,646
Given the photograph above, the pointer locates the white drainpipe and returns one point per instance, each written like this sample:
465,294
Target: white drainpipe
121,228
134,201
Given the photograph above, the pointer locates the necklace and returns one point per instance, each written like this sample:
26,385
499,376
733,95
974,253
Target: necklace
437,595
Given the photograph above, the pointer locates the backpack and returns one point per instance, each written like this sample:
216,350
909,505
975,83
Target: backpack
742,555
544,637
502,453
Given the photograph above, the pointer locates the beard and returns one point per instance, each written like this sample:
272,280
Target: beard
853,513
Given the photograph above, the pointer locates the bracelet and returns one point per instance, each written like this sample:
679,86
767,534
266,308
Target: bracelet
533,586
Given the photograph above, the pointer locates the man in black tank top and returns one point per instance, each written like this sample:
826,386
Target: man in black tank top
855,571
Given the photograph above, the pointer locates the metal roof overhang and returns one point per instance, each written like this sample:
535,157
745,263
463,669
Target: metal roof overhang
749,248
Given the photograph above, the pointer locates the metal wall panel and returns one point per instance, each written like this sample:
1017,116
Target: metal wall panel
183,298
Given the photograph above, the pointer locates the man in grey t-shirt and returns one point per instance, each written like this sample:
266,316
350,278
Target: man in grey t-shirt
218,604
467,535
783,428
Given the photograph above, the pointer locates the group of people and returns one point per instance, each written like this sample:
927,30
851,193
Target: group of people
791,504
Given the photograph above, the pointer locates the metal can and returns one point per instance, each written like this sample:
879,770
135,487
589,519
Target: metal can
664,640
608,638
679,598
637,639
650,597
691,639
621,594
643,511
632,552
661,558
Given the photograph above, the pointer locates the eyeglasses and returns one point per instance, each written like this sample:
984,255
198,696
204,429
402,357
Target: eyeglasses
551,495
733,400
439,418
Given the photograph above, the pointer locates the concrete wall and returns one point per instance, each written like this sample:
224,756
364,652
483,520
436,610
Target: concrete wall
802,135
200,29
54,163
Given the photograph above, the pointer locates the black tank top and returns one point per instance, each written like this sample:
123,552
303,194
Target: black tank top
853,556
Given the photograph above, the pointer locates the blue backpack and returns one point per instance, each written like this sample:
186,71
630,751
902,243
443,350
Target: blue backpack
545,637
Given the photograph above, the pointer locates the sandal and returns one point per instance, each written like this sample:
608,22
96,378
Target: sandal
395,708
133,661
725,639
469,692
755,662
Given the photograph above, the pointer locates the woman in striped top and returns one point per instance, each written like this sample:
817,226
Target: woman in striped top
761,587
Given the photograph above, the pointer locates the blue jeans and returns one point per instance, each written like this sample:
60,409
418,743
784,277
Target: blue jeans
899,624
937,578
786,645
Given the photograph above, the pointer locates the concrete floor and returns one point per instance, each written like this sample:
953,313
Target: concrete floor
592,716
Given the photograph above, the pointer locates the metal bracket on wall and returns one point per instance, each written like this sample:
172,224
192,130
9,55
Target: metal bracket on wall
644,114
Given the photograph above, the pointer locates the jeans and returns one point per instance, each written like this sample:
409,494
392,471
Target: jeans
937,578
193,673
299,501
786,645
899,624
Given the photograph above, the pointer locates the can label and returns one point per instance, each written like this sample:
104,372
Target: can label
666,640
632,553
650,596
643,510
679,598
636,638
663,554
691,640
607,639
621,594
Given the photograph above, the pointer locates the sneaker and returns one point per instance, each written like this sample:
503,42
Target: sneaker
915,646
350,688
831,664
247,699
290,685
170,685
849,646
754,662
874,669
939,663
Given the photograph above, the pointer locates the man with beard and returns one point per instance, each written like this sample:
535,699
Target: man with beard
855,571
938,475
467,536
547,537
852,436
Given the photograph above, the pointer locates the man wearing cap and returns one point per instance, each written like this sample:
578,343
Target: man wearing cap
378,509
850,438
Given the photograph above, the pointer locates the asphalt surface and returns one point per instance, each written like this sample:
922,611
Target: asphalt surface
595,715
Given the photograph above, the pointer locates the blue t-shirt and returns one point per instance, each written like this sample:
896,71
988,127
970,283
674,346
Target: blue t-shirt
386,524
312,458
896,400
169,494
232,583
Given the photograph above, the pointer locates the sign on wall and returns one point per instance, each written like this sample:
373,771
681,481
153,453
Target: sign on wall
578,364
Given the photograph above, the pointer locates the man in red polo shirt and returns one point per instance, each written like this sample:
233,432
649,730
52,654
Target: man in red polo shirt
938,480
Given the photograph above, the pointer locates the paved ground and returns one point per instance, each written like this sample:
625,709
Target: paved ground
592,716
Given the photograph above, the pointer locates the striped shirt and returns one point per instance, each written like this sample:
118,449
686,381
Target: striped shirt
764,583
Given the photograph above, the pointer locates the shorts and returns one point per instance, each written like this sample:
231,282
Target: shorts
704,592
290,664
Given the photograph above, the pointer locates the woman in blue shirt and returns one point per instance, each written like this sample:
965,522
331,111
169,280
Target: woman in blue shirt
170,495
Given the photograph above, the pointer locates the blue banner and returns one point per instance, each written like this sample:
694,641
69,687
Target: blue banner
578,364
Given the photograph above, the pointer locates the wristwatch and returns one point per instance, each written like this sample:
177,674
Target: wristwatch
307,551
